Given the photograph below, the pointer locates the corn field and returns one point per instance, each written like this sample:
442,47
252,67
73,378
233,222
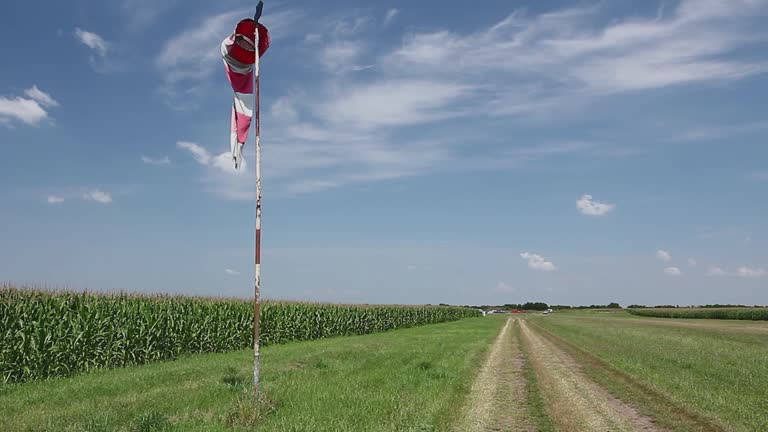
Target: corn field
753,314
44,334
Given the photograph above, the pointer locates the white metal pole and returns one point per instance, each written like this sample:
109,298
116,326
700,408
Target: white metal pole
257,269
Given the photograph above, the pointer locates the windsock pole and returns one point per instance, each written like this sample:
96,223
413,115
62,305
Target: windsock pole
257,270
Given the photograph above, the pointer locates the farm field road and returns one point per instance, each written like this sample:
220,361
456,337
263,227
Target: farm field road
573,401
497,401
705,375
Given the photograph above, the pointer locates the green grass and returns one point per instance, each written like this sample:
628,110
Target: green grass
751,314
404,380
717,373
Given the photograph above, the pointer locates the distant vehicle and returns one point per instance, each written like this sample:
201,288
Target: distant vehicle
548,311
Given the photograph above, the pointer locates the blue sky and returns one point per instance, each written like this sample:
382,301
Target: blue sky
570,152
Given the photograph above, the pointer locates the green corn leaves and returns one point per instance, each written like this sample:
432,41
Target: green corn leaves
44,334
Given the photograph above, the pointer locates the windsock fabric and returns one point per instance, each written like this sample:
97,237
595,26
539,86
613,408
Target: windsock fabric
240,64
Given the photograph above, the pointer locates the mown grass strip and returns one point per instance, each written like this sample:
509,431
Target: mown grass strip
404,380
648,399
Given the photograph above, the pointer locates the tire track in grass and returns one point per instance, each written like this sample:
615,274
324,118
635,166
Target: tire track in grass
498,397
574,402
668,413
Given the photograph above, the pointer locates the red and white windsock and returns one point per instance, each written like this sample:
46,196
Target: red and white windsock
240,62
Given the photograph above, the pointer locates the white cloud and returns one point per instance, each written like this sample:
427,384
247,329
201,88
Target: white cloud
30,109
231,272
716,271
53,199
720,131
692,262
25,110
748,272
537,262
201,155
672,271
41,97
588,206
165,160
503,287
572,54
663,255
390,15
342,128
341,56
98,196
392,103
92,41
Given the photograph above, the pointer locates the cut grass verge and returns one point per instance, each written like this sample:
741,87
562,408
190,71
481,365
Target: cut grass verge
403,380
686,378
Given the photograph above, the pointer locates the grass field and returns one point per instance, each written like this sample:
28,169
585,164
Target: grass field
714,373
402,380
568,371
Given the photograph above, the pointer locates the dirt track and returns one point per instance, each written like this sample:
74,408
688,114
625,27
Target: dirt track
572,401
498,398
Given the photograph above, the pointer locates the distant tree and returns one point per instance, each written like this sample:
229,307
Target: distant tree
636,306
535,306
614,306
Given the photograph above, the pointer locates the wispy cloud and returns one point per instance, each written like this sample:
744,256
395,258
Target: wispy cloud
705,133
567,54
537,262
663,255
98,196
750,272
201,155
53,199
397,103
341,56
345,128
92,41
41,97
589,206
692,262
716,271
503,287
231,272
30,109
672,271
390,15
165,160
